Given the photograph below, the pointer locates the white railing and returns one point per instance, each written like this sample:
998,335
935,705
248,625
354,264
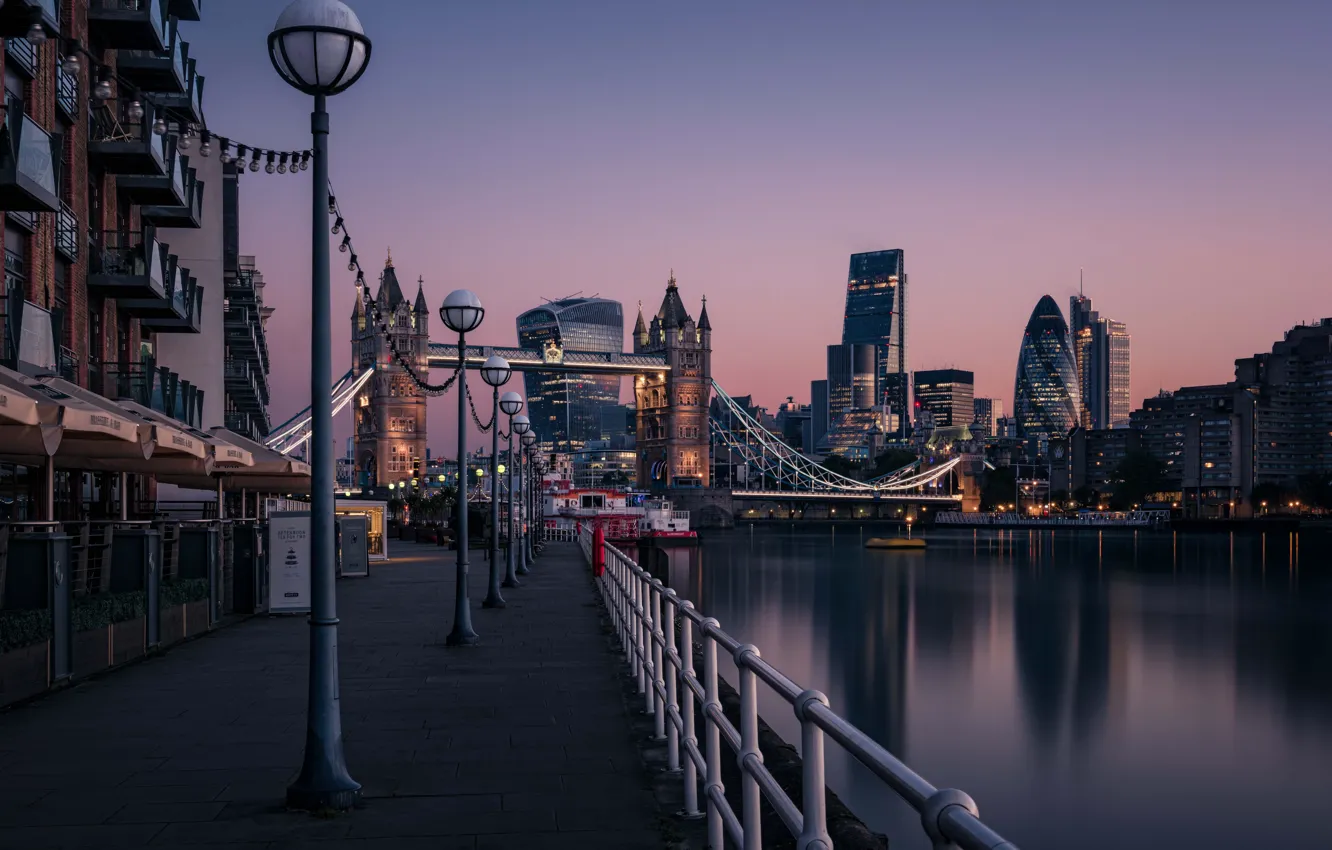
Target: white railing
646,615
561,535
1087,520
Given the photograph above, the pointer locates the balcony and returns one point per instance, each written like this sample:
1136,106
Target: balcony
187,215
155,387
189,102
67,233
157,71
22,54
17,16
26,220
186,10
128,24
27,164
182,311
172,303
67,92
123,146
128,265
157,190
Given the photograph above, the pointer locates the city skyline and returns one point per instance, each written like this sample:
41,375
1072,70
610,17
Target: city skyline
610,178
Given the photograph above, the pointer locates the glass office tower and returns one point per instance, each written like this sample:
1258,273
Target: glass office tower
1046,397
876,314
947,393
565,409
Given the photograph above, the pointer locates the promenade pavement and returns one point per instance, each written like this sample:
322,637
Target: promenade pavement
521,742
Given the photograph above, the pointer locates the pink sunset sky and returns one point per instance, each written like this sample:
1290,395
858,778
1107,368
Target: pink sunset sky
532,149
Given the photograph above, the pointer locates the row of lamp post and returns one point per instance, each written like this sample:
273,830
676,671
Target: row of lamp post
320,48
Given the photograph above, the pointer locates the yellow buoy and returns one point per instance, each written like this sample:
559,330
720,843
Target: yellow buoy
895,543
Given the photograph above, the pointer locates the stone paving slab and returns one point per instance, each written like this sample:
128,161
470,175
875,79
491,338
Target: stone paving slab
521,742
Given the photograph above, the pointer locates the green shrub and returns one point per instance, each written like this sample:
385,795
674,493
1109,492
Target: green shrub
24,628
103,609
184,590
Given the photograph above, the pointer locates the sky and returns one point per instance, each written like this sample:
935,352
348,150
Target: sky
1176,153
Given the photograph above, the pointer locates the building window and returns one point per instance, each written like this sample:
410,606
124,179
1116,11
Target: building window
403,423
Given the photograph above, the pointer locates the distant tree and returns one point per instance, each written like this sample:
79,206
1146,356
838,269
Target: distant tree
1138,475
840,465
1314,489
892,460
1085,496
1060,498
998,488
615,478
1273,494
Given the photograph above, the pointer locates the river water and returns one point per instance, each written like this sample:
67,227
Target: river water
1092,690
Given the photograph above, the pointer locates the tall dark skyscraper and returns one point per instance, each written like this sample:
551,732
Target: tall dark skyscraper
876,314
566,409
852,377
947,393
1046,397
1101,355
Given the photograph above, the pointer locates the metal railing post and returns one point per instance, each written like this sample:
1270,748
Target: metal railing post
712,738
647,676
636,636
813,784
672,659
749,756
689,736
658,706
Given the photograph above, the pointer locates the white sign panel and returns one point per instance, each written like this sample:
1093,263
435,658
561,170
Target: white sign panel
289,562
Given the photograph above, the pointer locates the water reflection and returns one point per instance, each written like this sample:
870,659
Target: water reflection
1092,690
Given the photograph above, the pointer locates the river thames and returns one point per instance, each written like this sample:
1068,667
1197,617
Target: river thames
1090,690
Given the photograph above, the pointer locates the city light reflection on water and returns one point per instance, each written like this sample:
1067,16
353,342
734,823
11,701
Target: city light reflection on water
1089,689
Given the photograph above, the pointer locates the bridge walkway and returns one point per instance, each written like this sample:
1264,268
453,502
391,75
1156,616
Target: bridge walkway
521,742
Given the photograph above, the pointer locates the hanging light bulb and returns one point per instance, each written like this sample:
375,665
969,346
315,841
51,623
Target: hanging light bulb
225,154
184,141
36,34
270,167
337,226
254,163
206,147
134,111
332,204
282,165
159,126
352,263
346,243
305,161
71,65
102,91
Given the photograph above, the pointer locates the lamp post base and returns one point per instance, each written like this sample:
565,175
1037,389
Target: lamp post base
457,638
497,602
330,794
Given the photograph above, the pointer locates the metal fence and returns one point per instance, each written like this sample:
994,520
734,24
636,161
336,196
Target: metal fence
646,615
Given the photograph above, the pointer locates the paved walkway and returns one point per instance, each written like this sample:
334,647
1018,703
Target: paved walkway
521,742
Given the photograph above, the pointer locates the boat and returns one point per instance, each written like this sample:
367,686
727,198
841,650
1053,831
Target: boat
895,543
662,522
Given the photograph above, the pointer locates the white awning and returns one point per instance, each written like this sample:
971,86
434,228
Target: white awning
270,471
213,455
91,430
29,421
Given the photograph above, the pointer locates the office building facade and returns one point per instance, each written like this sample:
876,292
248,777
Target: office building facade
819,414
947,393
1101,352
1046,396
1292,389
876,314
986,415
565,409
852,377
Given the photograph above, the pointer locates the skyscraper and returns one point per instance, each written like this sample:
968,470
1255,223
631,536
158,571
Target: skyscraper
1046,396
876,314
820,418
948,394
566,409
1101,357
852,377
988,412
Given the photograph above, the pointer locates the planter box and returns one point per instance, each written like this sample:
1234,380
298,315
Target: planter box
173,624
127,641
196,617
23,672
92,652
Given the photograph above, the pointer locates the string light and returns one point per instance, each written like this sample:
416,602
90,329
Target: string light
134,111
270,167
206,146
71,65
159,126
282,164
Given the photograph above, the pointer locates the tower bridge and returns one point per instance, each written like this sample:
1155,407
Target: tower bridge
677,433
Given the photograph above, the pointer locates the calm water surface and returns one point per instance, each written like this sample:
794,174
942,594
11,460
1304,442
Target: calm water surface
1089,690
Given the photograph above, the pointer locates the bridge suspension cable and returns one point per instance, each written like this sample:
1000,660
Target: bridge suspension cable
781,467
295,432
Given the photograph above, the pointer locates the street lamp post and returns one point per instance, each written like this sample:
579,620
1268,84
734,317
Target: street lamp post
510,403
495,371
529,457
462,313
320,48
521,426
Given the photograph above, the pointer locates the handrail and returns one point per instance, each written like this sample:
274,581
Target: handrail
645,615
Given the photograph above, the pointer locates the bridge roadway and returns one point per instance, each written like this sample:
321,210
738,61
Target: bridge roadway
522,742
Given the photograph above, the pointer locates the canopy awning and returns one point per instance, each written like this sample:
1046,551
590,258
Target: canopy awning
270,471
93,430
29,420
213,455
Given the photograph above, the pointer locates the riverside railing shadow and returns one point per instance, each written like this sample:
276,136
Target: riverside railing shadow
656,630
79,598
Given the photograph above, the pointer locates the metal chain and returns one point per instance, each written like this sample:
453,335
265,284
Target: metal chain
485,428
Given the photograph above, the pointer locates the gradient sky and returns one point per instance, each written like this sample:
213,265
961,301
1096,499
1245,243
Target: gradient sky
1178,152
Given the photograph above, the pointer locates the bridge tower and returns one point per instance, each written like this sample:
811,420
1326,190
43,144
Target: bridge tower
672,419
390,412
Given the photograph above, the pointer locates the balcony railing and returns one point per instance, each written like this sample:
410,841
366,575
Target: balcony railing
162,72
67,364
23,55
128,264
67,91
128,24
186,10
24,219
17,16
67,233
125,145
27,164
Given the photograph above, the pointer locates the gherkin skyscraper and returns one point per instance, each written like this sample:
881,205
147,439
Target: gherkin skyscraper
1046,399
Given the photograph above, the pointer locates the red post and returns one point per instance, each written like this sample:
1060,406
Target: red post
598,550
